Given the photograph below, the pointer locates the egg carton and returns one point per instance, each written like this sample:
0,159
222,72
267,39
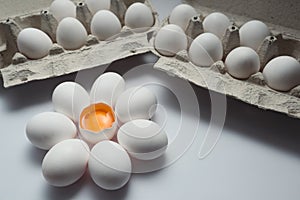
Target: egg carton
16,69
283,41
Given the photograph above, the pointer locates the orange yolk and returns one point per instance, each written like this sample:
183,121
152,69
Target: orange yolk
97,117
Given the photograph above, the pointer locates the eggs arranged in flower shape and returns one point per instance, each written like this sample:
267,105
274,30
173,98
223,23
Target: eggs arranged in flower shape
109,109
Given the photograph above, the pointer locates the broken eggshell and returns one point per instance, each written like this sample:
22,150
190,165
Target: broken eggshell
97,122
282,73
107,88
70,98
34,43
170,39
143,139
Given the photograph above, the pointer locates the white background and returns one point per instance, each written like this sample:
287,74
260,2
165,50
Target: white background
257,156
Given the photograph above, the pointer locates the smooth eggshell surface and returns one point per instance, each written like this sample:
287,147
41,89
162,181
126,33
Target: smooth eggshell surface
216,23
34,43
242,62
109,165
135,103
96,5
66,162
253,33
63,8
107,88
170,39
46,129
71,34
205,50
70,98
143,139
181,15
105,25
139,17
282,73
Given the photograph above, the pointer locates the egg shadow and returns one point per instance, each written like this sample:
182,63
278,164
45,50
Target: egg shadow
270,128
96,192
35,155
68,192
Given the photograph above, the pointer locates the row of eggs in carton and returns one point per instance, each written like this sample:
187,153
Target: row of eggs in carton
280,73
71,34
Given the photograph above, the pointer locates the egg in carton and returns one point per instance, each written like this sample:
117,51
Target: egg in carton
262,71
91,50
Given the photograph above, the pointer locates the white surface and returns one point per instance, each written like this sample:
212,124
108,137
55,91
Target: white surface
257,157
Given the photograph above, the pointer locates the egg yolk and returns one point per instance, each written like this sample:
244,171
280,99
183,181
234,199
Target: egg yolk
97,117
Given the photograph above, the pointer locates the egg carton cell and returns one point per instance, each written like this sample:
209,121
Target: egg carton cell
16,68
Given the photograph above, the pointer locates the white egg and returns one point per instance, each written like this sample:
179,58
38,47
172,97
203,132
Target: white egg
242,62
253,33
34,43
282,73
70,98
170,39
71,34
46,129
139,17
97,122
216,23
105,25
205,50
109,165
96,5
181,15
143,139
66,162
107,88
63,8
135,103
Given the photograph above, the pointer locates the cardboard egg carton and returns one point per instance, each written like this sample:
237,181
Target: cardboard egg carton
16,69
285,40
